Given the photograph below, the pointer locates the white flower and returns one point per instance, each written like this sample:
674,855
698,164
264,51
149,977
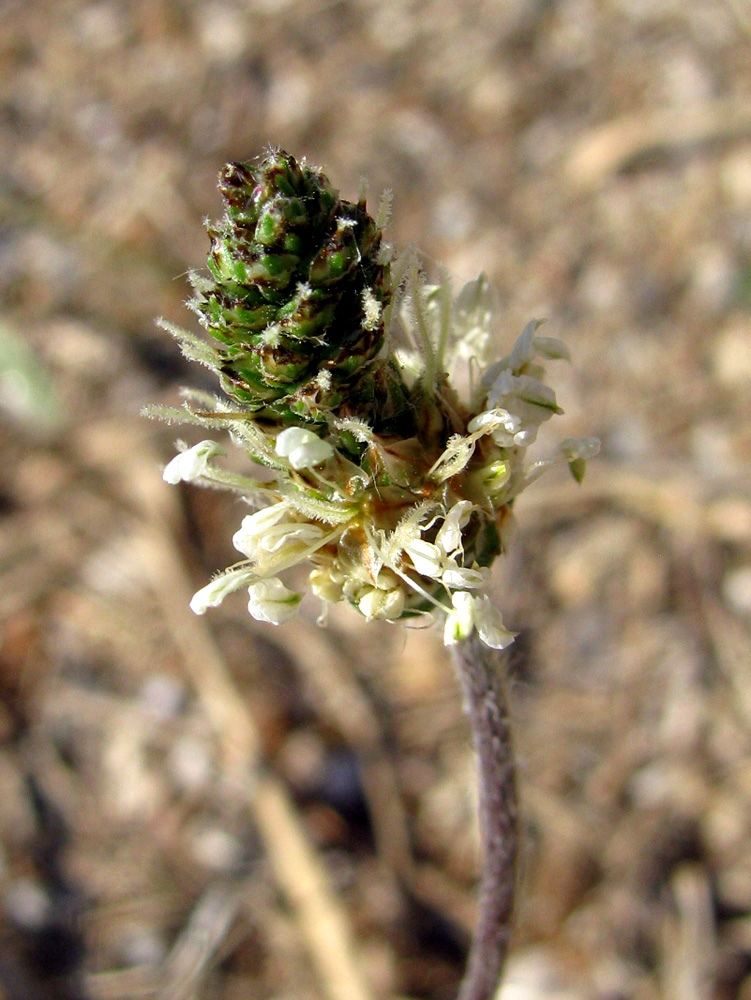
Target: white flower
575,451
475,309
273,545
302,447
499,423
462,577
489,624
495,477
377,603
255,528
270,601
439,560
581,448
506,429
528,346
471,613
191,464
326,585
461,621
524,396
425,557
449,537
214,592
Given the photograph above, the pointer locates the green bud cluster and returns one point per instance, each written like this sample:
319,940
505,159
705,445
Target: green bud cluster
299,283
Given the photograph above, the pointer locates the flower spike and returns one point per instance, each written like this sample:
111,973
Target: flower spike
336,359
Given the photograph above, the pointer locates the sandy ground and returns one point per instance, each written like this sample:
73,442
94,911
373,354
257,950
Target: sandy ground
212,808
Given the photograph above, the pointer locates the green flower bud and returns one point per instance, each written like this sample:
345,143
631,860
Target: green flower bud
297,291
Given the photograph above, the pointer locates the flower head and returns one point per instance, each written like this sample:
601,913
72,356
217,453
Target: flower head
395,491
297,290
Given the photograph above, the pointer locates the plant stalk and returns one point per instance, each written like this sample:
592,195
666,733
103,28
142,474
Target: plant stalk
481,678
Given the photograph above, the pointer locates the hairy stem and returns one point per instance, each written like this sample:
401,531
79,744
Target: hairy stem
480,675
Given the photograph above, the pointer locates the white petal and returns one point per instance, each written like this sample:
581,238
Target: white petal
426,557
291,437
302,447
461,621
288,535
256,526
512,390
490,625
313,452
552,349
499,423
382,604
270,601
462,577
449,537
584,448
523,350
191,464
214,592
526,437
495,476
488,420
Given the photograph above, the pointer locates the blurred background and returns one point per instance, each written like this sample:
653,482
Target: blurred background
214,808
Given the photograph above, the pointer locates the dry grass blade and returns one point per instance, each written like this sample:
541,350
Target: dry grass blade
690,938
730,641
198,943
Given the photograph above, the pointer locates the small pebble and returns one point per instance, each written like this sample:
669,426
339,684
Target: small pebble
189,764
289,98
163,696
713,277
736,589
736,176
302,758
534,975
26,904
731,354
453,217
730,519
216,849
222,32
630,438
141,946
725,825
713,452
416,133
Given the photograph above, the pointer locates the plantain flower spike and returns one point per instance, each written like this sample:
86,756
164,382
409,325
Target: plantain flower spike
336,362
298,284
